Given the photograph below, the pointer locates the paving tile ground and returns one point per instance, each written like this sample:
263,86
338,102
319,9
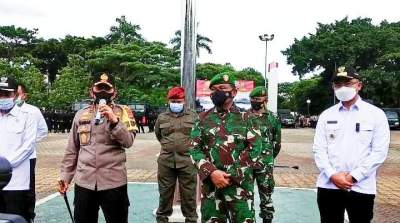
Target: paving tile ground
296,150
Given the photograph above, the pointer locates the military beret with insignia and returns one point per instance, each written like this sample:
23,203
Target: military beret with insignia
8,83
345,74
223,78
259,91
103,78
176,93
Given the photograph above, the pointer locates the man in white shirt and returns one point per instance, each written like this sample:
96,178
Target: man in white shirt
18,132
351,142
42,131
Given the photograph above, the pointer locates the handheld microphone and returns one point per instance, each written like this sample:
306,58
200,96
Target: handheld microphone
98,119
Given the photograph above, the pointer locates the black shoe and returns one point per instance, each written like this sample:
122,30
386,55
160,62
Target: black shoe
265,220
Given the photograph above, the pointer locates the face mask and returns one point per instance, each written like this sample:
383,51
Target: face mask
345,93
176,107
219,97
19,102
102,95
6,104
257,105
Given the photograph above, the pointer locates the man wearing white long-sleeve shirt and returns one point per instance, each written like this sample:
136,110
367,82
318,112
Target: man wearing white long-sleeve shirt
42,131
351,142
18,131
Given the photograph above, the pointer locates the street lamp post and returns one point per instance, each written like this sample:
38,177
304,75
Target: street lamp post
308,107
266,38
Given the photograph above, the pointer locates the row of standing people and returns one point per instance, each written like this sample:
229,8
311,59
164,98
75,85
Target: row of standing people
230,150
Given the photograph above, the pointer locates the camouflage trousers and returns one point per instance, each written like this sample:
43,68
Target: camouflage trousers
232,202
265,183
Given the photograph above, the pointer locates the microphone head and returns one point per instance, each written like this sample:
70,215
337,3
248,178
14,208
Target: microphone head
102,101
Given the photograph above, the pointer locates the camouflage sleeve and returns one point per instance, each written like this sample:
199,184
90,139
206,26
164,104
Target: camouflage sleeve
254,143
276,138
197,152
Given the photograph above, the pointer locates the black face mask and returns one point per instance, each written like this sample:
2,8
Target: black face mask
257,105
102,95
219,97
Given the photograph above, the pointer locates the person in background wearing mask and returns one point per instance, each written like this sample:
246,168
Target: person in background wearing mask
172,129
41,134
95,156
266,126
351,141
18,135
221,150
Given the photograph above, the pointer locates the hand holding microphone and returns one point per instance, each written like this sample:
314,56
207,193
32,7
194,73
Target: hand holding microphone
98,118
106,111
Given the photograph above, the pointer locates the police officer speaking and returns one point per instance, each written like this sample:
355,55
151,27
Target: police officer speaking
95,156
351,142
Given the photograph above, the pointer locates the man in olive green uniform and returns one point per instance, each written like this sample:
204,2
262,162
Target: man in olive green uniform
172,129
95,156
268,128
222,149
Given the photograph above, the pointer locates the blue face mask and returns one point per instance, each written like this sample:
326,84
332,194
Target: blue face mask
176,107
6,104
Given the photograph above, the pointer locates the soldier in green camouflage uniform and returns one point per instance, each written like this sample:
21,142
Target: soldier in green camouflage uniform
222,151
266,126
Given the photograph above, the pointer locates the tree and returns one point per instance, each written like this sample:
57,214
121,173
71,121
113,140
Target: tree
207,71
294,95
51,57
24,72
344,42
72,85
250,74
13,39
141,68
202,42
124,31
374,50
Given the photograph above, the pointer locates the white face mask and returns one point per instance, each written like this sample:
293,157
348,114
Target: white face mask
345,93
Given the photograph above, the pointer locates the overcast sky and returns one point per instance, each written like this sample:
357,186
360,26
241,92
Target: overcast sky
233,25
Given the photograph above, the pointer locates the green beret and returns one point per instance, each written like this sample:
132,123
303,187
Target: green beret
259,91
224,78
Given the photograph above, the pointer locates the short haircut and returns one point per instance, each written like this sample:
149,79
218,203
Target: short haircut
23,87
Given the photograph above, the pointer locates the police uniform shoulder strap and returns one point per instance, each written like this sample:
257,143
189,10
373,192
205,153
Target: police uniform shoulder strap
126,117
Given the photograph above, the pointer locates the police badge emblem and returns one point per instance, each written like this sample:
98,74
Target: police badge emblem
103,78
225,77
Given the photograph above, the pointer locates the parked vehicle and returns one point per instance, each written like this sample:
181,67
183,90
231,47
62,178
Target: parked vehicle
286,118
393,117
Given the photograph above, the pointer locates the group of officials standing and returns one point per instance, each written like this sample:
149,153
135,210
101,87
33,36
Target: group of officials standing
226,149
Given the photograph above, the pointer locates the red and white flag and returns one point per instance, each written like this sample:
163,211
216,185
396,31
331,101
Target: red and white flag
272,65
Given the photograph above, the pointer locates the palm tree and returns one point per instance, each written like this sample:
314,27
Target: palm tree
202,42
